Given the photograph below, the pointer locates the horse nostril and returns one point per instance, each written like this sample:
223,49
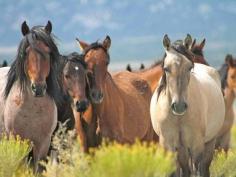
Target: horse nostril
81,106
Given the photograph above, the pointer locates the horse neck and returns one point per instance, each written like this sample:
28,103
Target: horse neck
229,97
111,104
152,76
200,59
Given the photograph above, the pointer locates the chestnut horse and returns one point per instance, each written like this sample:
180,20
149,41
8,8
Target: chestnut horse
122,103
30,90
228,80
187,120
153,74
77,82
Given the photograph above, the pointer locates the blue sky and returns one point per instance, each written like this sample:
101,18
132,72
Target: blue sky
136,27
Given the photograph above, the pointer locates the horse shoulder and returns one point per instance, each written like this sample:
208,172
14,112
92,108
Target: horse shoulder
212,101
136,95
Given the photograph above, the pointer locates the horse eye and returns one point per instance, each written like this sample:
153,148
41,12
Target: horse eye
67,76
167,70
232,77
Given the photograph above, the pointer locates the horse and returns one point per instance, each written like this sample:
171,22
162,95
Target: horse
30,90
197,49
129,68
187,108
122,102
4,63
228,80
76,83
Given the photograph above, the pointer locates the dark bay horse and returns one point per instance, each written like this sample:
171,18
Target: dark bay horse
197,49
76,84
30,90
122,102
228,82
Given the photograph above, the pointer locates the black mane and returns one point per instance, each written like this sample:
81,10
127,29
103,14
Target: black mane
179,47
17,71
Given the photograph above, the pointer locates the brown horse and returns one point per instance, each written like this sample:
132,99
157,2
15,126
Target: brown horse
153,74
197,49
77,82
228,80
30,91
122,105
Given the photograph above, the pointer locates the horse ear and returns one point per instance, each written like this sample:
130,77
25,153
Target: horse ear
128,68
188,41
193,44
166,42
229,60
203,43
107,42
82,45
24,28
48,27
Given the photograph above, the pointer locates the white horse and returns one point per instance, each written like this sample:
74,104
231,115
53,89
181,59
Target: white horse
187,109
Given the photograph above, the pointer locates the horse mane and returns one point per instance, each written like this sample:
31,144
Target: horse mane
223,71
197,51
17,70
180,48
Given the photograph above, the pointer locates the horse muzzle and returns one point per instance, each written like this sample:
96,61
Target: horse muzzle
81,106
179,108
38,90
96,96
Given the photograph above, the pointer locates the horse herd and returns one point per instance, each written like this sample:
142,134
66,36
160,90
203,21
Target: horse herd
176,102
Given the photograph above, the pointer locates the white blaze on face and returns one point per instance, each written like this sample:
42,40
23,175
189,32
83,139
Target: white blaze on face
76,68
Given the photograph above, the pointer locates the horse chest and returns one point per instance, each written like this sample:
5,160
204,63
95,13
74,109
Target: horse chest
24,115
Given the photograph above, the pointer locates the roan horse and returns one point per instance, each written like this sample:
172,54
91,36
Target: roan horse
228,78
30,90
77,83
123,100
186,119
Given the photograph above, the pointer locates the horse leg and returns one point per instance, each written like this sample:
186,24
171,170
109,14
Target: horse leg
183,159
223,141
40,151
207,158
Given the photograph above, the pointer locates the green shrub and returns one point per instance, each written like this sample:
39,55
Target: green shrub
12,152
138,160
224,164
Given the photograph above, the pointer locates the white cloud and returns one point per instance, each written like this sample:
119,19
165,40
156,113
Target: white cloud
136,40
83,2
160,6
204,9
94,21
100,2
8,50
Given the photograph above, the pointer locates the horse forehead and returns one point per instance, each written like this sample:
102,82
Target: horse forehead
173,59
43,46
